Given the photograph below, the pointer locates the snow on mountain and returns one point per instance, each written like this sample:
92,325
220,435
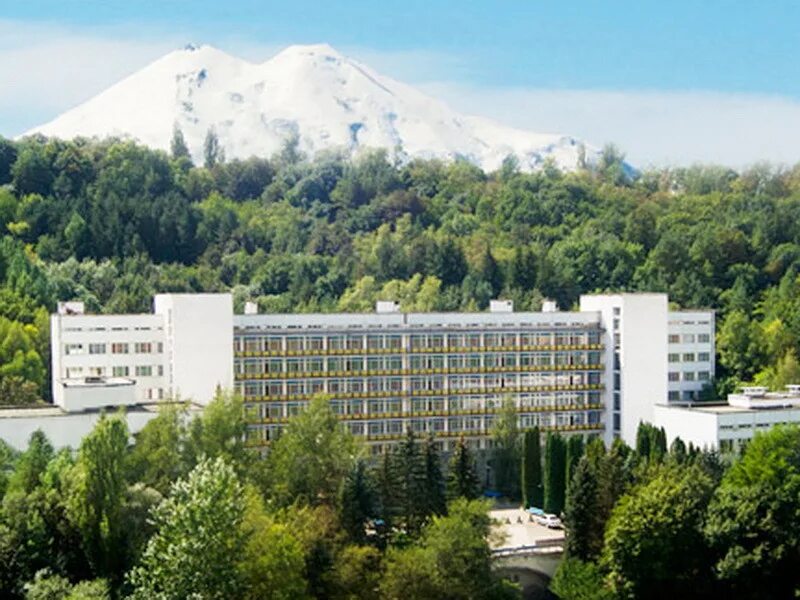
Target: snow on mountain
326,99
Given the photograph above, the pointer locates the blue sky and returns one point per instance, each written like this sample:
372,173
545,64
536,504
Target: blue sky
671,82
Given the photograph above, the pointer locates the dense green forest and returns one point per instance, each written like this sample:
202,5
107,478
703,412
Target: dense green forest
113,222
187,511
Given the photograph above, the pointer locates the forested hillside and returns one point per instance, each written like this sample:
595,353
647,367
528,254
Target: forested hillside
112,222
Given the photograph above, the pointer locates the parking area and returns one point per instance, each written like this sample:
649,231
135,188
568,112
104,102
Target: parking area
519,530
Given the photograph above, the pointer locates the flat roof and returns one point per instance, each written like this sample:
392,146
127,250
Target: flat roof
51,410
724,408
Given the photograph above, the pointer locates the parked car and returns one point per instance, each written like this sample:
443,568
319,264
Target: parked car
550,521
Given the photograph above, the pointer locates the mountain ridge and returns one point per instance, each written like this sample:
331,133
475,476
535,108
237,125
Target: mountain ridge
312,92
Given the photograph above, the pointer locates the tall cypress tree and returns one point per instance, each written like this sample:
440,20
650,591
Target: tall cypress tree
581,514
574,453
532,492
554,473
434,480
643,441
462,478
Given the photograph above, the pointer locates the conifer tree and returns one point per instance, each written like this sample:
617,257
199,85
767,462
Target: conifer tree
554,473
462,479
532,492
581,513
574,453
178,147
212,151
434,480
410,481
357,500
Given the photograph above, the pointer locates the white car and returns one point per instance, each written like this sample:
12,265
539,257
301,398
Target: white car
550,521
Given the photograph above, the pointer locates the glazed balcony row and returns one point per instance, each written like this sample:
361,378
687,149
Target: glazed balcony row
397,384
240,352
594,367
289,341
428,405
320,366
427,392
395,429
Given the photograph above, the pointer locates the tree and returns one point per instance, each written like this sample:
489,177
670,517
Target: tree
358,500
654,543
157,457
220,432
178,147
356,573
312,456
409,480
581,514
31,464
452,559
532,490
578,580
48,586
752,517
97,494
574,452
434,492
272,563
199,539
213,153
462,479
505,454
555,472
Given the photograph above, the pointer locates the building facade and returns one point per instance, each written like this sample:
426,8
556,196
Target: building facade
597,371
728,426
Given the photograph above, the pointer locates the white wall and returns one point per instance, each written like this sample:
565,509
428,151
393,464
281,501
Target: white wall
79,397
691,425
61,429
199,343
641,327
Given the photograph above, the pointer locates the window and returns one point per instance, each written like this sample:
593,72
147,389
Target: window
120,371
688,376
674,357
673,396
703,338
97,348
703,357
119,348
688,338
73,349
144,371
143,347
703,376
674,338
688,357
74,372
674,376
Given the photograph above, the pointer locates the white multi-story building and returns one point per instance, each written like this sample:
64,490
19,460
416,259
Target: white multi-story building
690,354
183,349
597,371
728,426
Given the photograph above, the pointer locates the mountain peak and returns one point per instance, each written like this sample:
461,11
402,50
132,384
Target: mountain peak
311,92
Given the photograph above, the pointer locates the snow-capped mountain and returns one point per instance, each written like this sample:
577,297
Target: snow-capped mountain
313,92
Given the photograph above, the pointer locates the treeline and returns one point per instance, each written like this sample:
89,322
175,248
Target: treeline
188,512
112,222
652,522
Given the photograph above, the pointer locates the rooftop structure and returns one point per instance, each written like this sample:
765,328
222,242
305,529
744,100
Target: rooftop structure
728,425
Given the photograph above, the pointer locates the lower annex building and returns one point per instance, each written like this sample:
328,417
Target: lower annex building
597,371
